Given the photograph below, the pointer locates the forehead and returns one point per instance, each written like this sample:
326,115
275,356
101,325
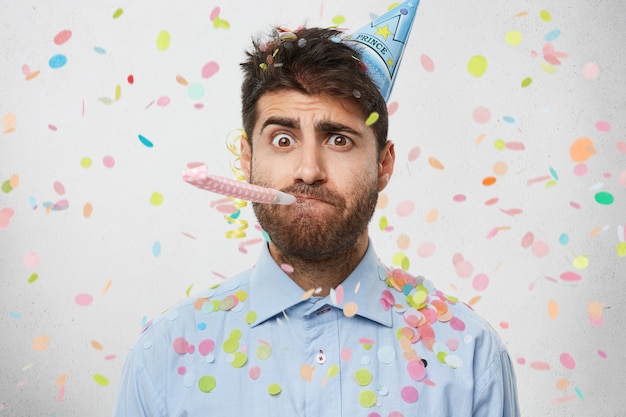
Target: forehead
305,108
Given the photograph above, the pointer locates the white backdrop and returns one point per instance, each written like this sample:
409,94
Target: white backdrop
509,191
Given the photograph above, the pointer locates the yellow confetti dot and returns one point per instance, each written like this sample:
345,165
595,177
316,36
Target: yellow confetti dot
513,37
581,262
118,13
101,380
621,249
333,371
86,162
251,317
338,20
33,277
477,65
274,389
367,398
207,383
363,377
545,16
526,82
163,40
118,92
372,118
499,144
383,223
156,199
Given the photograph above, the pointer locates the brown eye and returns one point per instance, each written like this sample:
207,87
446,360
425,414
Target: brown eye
282,141
339,140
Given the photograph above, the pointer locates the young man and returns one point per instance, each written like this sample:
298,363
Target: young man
319,327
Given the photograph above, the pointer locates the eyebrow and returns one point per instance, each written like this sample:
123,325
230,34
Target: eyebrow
322,126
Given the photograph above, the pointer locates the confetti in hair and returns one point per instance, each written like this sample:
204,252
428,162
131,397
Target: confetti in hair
231,143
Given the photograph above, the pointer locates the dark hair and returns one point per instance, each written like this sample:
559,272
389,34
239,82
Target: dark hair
311,61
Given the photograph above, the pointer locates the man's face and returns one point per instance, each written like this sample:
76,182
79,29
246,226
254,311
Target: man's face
319,149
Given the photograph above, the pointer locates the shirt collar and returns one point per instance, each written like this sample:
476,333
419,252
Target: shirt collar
272,292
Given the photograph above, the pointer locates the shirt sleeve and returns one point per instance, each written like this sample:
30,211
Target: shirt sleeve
496,394
137,395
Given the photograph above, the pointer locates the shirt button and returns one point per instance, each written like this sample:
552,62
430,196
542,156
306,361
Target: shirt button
320,358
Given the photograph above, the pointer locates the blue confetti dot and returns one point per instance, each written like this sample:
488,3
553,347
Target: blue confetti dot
57,61
99,50
554,174
195,91
201,325
156,248
564,239
509,119
15,315
552,35
145,141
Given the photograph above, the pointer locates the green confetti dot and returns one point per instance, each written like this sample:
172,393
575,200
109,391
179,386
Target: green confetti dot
86,162
251,317
163,40
372,118
274,389
363,377
33,277
499,144
621,249
367,346
477,65
235,334
545,16
239,359
551,184
383,223
6,187
442,357
195,91
513,37
118,13
526,82
367,398
207,383
604,198
156,199
101,380
263,352
230,345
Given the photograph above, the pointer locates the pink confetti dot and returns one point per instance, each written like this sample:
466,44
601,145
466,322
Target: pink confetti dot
621,147
287,268
32,260
521,361
603,126
622,178
182,370
416,369
540,366
405,208
180,345
427,63
464,269
480,282
163,101
409,394
602,354
459,198
254,373
392,108
457,324
540,249
346,354
570,276
481,115
59,188
590,70
108,161
528,240
426,249
206,346
52,127
567,361
580,170
453,344
5,217
83,299
210,69
215,13
62,37
414,153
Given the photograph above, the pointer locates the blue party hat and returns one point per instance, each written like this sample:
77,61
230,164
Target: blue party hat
384,40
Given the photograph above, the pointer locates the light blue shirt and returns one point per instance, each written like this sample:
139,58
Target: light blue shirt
382,344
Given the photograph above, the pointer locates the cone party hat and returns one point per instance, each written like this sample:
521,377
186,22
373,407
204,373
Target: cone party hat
383,41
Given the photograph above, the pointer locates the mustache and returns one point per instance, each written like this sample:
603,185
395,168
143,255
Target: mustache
319,192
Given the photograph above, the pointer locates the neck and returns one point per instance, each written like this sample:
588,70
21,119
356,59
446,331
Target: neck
323,274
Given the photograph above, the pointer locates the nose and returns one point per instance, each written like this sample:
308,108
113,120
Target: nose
311,165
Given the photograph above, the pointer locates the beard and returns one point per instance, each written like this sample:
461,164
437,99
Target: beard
300,231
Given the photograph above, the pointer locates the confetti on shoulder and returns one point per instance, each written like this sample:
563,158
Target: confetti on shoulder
197,175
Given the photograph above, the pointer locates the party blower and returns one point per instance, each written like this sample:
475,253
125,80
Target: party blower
198,176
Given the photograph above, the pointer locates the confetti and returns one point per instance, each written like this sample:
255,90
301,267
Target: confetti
210,69
57,61
101,380
118,12
9,121
163,40
41,343
156,199
62,37
372,118
513,37
427,63
145,141
477,65
83,299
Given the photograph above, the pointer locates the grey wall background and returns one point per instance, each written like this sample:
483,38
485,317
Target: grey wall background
540,253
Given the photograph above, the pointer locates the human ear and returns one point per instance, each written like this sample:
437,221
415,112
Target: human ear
386,164
245,159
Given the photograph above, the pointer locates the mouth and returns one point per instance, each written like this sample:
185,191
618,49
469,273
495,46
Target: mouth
310,199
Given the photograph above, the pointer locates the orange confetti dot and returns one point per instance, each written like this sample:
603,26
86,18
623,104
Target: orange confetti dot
432,216
383,201
96,345
553,309
41,343
14,180
434,162
500,168
474,300
480,138
107,286
404,241
181,80
87,210
489,181
350,309
562,384
582,149
61,380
